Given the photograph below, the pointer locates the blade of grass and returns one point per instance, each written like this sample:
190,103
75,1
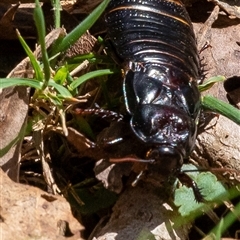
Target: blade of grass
10,82
36,67
4,150
40,24
227,221
61,89
225,109
90,75
91,57
77,32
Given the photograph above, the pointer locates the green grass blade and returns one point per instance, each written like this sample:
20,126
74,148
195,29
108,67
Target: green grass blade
40,24
62,90
91,57
227,221
77,32
218,106
11,82
93,74
36,67
5,149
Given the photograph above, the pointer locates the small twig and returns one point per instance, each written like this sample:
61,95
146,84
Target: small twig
82,66
205,31
45,159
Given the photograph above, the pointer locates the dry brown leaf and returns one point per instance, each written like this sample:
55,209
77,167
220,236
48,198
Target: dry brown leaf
13,112
30,213
6,22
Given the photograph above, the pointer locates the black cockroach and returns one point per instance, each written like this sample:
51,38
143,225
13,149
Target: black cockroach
155,42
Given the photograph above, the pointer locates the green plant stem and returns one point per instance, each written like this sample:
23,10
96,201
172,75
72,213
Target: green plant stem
57,8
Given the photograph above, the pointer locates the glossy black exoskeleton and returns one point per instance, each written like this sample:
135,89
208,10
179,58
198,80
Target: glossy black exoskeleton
155,42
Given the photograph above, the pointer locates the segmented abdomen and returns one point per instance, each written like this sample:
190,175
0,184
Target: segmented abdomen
156,31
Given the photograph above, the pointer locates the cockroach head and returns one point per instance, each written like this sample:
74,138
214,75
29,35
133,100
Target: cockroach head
168,158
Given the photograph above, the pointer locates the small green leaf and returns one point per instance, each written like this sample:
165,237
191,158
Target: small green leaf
90,75
211,189
10,82
210,82
61,75
184,199
221,107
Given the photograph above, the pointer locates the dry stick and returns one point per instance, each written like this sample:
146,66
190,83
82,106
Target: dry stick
45,159
205,31
231,10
